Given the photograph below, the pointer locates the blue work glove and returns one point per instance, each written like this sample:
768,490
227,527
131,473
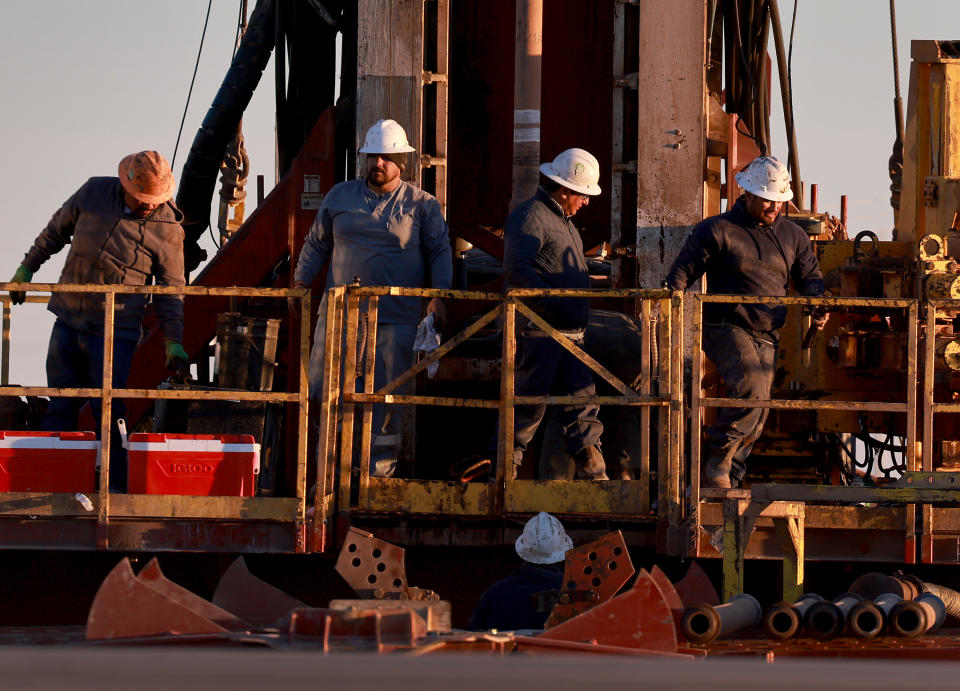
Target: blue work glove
175,352
23,275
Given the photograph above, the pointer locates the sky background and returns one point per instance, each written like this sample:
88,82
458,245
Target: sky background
86,83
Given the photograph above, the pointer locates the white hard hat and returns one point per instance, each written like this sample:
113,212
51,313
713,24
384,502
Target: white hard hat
543,541
386,137
575,169
766,177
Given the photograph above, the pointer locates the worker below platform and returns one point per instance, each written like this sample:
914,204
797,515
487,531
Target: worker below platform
121,230
381,231
508,605
749,250
542,249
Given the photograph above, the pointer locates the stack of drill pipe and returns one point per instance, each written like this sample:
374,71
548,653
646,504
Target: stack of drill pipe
705,623
868,618
784,620
828,619
914,618
911,588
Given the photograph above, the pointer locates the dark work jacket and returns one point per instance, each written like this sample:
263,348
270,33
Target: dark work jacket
741,257
542,249
506,604
108,246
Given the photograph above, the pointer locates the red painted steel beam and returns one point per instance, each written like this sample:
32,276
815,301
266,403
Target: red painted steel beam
276,227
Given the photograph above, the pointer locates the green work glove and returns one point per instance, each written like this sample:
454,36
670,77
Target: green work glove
174,352
23,275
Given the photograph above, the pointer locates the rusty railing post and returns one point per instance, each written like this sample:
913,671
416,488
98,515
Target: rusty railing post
5,344
369,370
106,413
504,474
349,386
303,422
676,406
329,407
645,388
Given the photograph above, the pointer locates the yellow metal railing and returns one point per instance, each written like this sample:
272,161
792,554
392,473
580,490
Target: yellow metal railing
699,402
112,505
661,369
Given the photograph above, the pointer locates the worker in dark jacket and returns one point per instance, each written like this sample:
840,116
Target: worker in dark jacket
507,605
121,230
749,250
542,249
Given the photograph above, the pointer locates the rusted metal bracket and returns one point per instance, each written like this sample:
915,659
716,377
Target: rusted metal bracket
126,606
382,630
639,618
695,587
252,599
788,519
938,480
375,569
600,567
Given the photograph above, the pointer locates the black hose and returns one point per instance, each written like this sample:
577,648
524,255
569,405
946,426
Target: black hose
199,177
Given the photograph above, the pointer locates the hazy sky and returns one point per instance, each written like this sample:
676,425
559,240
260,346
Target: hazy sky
85,83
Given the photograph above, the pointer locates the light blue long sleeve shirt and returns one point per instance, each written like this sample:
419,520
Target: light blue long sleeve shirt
387,240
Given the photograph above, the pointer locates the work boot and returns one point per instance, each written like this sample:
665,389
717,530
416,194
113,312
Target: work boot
590,464
716,472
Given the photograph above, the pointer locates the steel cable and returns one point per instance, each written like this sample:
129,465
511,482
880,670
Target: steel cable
192,80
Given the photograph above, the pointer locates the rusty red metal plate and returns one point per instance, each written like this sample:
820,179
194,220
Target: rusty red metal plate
355,629
669,594
152,576
639,618
601,566
250,598
373,568
695,588
125,607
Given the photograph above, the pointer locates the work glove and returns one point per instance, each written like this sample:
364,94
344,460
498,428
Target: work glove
175,354
22,275
439,312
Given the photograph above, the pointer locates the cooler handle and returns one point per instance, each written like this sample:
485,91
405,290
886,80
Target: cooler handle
122,426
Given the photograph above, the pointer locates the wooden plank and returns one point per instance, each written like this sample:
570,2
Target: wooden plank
430,497
223,508
671,122
390,71
613,498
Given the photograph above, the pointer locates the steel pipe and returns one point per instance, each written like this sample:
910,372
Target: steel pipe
828,619
705,623
825,620
865,620
783,620
914,618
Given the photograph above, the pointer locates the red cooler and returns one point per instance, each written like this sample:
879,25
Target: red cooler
48,461
221,465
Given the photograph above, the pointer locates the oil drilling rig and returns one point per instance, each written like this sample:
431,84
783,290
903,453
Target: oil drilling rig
864,414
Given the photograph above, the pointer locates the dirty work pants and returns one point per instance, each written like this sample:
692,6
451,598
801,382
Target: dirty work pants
745,361
394,357
544,367
75,361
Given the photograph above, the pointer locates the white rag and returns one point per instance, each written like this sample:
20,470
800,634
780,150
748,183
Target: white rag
427,340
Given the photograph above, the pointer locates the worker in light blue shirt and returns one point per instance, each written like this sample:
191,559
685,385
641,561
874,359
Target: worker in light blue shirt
385,232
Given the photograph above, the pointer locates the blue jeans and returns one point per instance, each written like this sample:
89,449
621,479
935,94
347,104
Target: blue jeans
746,363
544,367
394,357
75,361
